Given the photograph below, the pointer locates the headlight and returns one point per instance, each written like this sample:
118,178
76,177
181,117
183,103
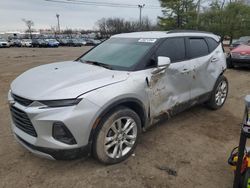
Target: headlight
61,103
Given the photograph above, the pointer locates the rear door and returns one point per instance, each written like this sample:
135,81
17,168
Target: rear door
205,54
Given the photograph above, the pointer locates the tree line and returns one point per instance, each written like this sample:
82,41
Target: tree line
225,18
111,26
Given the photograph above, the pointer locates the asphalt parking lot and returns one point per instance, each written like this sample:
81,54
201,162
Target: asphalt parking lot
195,143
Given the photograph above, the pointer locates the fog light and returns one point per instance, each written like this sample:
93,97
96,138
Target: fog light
61,133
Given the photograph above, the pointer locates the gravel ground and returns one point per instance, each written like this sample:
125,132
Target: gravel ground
195,143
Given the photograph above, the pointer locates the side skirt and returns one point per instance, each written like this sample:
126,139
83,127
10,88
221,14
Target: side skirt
167,114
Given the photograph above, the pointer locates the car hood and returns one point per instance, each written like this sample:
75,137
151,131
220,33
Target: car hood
64,80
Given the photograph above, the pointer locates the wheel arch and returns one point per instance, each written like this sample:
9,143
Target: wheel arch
131,103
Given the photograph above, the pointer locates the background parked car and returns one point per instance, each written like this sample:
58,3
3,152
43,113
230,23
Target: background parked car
239,56
4,43
15,43
82,41
242,40
52,43
63,42
93,42
26,43
74,42
39,43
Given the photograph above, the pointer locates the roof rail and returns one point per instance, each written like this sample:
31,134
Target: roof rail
187,31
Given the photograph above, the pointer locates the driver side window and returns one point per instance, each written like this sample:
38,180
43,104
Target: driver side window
174,48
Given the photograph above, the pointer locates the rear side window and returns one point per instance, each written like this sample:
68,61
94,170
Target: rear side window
212,44
198,47
174,48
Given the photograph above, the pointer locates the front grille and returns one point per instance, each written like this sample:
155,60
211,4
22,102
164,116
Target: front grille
22,121
22,101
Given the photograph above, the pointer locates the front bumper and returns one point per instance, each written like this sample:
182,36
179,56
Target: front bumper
78,119
55,154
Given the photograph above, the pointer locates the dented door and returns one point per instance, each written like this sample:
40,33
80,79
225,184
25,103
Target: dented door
169,89
206,70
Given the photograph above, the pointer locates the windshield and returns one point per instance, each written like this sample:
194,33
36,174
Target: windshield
119,53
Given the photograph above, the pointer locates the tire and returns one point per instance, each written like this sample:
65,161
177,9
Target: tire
219,93
230,63
108,131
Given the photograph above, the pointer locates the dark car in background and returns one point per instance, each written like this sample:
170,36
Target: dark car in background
74,43
63,42
39,43
15,43
52,43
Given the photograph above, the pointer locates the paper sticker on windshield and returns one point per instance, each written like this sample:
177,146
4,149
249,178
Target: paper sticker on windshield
147,40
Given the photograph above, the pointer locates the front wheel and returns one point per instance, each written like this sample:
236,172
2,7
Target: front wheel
117,136
219,93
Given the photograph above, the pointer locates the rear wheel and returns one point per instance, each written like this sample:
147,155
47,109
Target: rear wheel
230,63
117,136
219,93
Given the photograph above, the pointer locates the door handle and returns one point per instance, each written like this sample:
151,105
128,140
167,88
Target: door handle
185,70
214,60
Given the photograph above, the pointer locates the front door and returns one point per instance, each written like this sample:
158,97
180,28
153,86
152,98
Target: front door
170,89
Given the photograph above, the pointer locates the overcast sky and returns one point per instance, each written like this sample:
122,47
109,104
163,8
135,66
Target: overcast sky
43,13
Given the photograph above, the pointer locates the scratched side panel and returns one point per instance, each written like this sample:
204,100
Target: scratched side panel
206,72
169,89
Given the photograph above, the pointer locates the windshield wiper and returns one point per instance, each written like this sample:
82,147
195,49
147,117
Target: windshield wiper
99,64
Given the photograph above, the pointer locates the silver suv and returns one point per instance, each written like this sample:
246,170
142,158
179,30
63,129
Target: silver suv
102,101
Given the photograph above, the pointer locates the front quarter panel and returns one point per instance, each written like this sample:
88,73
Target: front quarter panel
132,88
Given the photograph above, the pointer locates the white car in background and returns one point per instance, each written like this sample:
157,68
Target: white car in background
4,43
83,42
26,43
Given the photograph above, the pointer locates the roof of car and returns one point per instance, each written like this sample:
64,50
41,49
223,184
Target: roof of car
165,34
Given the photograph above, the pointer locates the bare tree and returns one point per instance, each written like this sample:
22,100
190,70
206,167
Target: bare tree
68,32
54,30
29,24
111,26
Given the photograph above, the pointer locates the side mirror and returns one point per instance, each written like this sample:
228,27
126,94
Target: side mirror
163,61
162,64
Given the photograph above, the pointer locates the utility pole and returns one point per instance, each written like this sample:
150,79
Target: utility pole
141,7
58,22
198,13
